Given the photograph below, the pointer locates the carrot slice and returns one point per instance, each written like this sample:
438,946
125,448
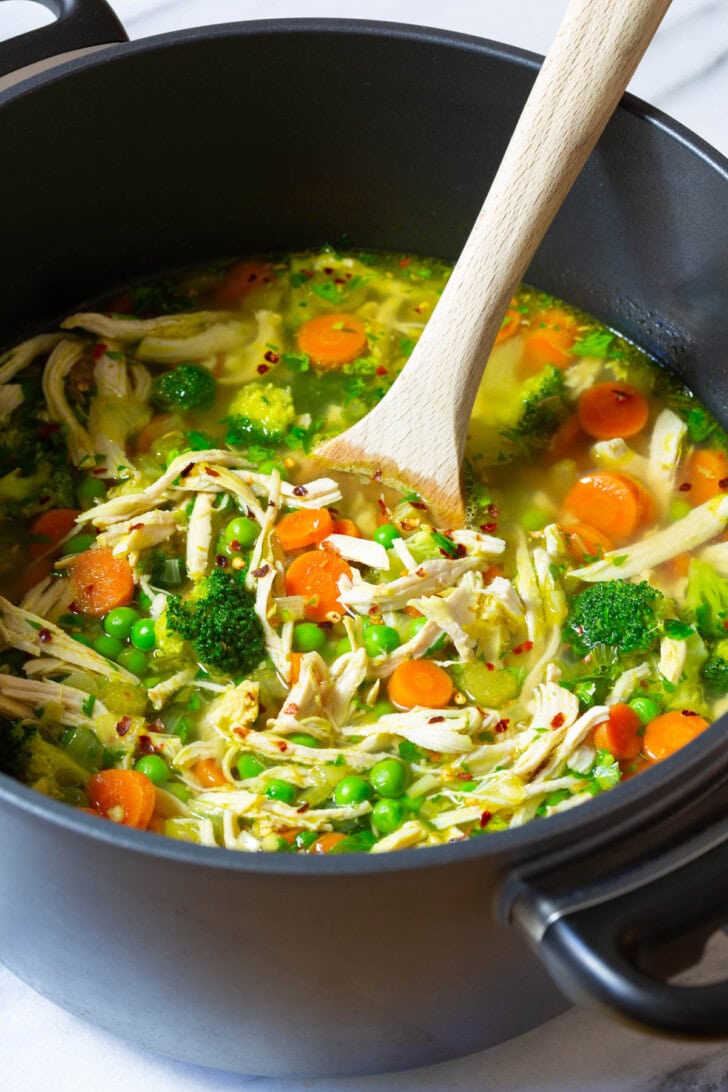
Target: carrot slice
420,682
49,528
326,842
239,281
670,731
331,340
315,575
611,503
553,334
100,581
346,527
618,735
585,543
306,527
707,475
124,796
208,773
295,660
510,323
608,410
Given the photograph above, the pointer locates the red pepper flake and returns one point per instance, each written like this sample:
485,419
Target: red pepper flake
261,571
417,310
688,713
380,500
241,732
377,476
271,357
221,561
235,546
291,709
405,262
485,818
186,470
464,776
304,807
381,370
436,720
261,708
212,473
136,526
123,726
502,725
493,511
525,647
99,471
45,635
73,608
558,720
282,745
490,667
339,280
621,395
48,428
262,369
299,491
488,528
418,504
420,572
99,349
157,726
146,746
328,270
723,483
685,487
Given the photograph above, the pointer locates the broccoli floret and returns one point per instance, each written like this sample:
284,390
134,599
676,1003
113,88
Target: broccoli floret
715,669
544,407
220,622
614,613
15,742
34,469
28,757
260,413
706,600
187,387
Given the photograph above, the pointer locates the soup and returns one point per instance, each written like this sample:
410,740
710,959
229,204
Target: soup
208,637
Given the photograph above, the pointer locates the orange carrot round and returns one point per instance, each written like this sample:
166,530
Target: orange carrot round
608,410
124,796
208,773
611,503
707,475
420,682
552,334
306,527
326,842
49,528
239,281
331,340
585,543
315,575
510,323
618,735
670,731
100,581
346,527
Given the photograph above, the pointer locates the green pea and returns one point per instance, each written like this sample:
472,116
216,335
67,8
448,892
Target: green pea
242,530
250,766
645,708
118,622
133,660
78,544
75,796
180,790
387,815
277,789
303,739
142,634
389,777
83,639
386,534
343,645
414,628
269,465
534,519
308,637
145,601
383,709
305,838
154,767
110,647
89,490
380,639
351,790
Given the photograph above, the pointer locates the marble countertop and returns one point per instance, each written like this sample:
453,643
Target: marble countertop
43,1049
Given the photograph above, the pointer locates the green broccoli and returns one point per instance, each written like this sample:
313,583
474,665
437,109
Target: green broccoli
543,407
706,600
715,669
187,387
34,470
28,757
616,614
220,622
260,413
15,742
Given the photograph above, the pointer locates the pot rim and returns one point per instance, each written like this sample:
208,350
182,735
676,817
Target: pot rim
664,789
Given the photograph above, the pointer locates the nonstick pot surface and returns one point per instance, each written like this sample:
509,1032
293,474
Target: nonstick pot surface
259,137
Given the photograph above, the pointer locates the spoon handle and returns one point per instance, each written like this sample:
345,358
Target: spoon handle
417,432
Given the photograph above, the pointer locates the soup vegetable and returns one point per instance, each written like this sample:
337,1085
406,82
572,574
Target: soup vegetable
206,635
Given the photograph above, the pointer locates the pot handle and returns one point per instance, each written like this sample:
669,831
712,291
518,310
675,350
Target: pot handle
616,942
79,24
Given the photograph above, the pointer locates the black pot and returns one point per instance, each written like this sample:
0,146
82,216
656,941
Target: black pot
266,136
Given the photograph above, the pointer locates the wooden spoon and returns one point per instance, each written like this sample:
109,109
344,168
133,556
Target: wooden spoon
416,435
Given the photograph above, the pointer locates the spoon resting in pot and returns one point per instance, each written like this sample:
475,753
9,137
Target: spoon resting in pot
415,437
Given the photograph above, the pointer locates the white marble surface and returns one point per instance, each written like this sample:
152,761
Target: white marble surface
43,1049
